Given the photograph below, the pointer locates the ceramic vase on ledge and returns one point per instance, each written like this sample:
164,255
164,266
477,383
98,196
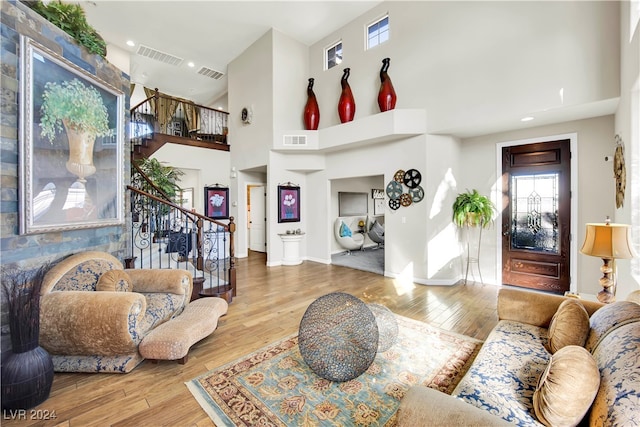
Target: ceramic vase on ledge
311,114
386,95
346,104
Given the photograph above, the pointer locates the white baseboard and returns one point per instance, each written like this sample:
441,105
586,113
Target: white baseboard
427,282
319,260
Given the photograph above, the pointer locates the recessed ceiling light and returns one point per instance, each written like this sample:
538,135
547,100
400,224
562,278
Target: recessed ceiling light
191,64
526,119
130,43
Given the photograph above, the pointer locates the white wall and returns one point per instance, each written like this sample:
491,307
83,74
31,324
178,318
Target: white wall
627,125
250,86
477,63
213,167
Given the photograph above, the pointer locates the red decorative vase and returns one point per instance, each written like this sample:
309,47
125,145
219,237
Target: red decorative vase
346,104
311,111
386,95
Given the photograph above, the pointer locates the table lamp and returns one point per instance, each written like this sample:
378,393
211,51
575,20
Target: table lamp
609,242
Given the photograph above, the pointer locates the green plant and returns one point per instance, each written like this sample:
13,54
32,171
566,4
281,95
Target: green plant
473,209
70,18
77,105
164,177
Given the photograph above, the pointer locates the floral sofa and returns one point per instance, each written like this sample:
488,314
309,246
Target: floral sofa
522,376
94,314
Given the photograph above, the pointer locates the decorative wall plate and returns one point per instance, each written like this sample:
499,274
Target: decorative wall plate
417,194
399,176
394,190
405,200
412,178
394,204
619,172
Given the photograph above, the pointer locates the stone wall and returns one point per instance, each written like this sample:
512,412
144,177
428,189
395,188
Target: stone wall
27,252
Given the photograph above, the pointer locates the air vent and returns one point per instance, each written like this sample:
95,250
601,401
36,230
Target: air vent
156,55
294,140
208,72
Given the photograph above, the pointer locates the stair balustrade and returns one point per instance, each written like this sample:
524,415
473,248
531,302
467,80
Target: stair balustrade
166,235
162,118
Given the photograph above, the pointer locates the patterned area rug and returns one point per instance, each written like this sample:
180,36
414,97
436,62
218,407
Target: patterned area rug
274,386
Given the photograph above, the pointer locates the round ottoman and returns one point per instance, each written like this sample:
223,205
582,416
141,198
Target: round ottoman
338,337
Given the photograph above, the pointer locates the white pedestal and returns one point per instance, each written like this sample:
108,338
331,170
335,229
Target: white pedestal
291,248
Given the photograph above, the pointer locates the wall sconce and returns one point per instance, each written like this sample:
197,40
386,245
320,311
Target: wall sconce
233,172
609,242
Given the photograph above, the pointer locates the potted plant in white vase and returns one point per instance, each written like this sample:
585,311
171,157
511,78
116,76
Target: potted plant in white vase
473,210
27,369
80,111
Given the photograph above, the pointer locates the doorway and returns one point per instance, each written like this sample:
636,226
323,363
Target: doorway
257,217
536,215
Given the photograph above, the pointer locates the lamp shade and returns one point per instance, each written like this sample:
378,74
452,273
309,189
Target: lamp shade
610,241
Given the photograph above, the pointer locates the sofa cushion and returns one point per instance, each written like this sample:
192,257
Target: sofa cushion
618,359
569,326
567,387
608,318
84,276
114,281
505,373
160,308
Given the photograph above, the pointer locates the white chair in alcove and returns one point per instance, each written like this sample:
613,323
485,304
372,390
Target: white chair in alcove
346,237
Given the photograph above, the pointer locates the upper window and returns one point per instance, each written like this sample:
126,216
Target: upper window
378,32
333,55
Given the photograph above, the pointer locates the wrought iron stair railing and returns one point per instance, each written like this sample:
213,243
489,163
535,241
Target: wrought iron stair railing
162,118
166,235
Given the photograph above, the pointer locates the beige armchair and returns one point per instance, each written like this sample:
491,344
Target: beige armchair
94,314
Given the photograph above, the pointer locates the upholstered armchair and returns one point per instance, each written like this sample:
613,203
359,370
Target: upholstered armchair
348,239
93,313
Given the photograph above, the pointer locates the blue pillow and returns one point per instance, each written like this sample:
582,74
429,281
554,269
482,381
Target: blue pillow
345,231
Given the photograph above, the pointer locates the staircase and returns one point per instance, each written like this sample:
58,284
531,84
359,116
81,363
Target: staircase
166,235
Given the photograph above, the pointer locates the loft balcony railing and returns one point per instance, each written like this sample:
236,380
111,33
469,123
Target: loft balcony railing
166,115
166,235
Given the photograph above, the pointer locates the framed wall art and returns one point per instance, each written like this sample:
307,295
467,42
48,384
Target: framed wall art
288,203
71,145
216,201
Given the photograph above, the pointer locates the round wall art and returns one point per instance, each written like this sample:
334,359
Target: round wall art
405,189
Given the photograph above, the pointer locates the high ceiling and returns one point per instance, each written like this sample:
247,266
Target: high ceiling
209,33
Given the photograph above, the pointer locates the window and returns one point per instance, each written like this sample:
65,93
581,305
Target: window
378,32
333,55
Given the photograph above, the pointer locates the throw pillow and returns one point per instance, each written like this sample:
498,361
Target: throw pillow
567,387
114,281
377,228
345,231
569,326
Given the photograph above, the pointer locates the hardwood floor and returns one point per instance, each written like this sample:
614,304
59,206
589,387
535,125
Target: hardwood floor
269,306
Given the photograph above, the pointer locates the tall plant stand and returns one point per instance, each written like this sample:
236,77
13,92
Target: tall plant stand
473,260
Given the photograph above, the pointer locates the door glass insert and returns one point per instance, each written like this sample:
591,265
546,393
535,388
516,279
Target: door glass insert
534,204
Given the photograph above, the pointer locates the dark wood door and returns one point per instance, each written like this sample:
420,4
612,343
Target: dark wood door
536,220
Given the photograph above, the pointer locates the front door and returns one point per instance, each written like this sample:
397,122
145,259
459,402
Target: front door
536,219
